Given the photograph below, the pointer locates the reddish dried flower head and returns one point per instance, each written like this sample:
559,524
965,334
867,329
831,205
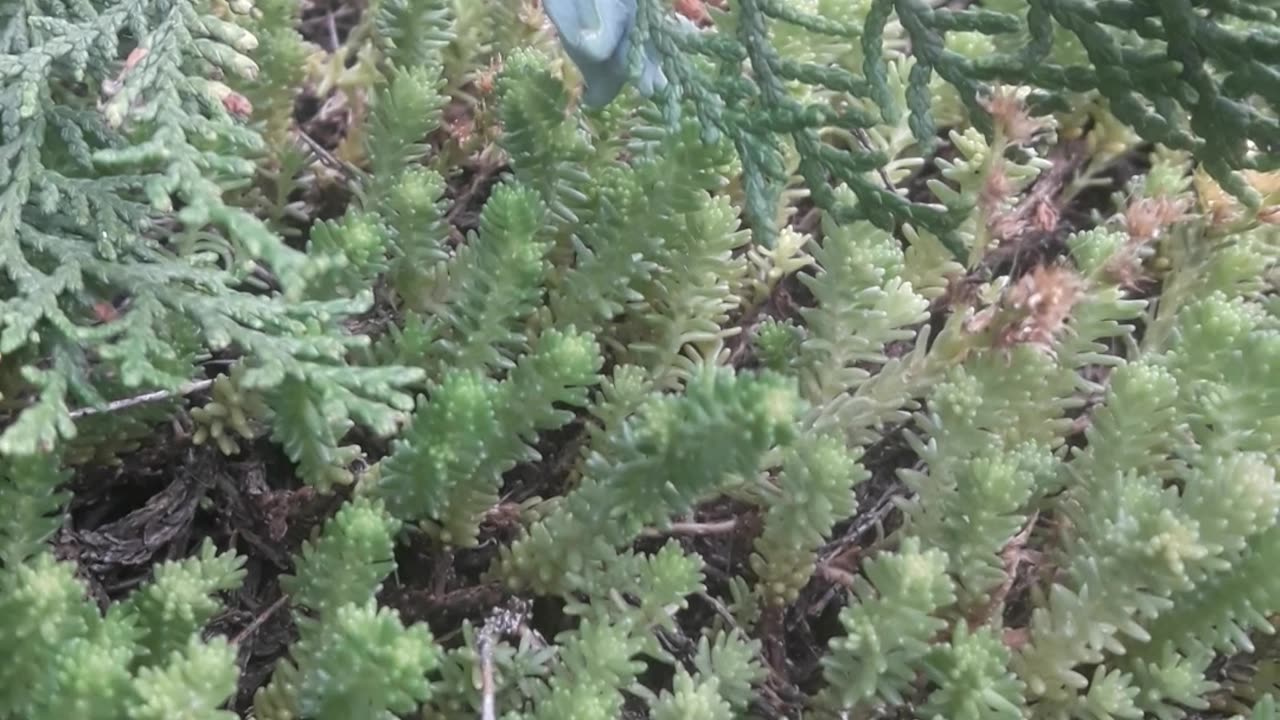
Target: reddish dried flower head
695,10
1145,221
1041,301
1046,216
111,86
1006,226
486,79
1146,218
1125,268
136,56
237,105
1011,115
461,129
105,312
978,322
996,189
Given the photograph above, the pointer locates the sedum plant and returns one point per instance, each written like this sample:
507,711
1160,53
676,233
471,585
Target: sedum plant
707,360
145,657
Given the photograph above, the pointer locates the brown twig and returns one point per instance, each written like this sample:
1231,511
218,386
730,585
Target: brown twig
488,711
260,619
873,518
720,609
836,551
504,621
1012,556
143,399
340,13
331,25
774,641
462,202
696,529
835,575
344,168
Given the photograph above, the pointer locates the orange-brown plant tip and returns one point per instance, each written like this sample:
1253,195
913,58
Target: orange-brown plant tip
1043,298
1146,218
1010,113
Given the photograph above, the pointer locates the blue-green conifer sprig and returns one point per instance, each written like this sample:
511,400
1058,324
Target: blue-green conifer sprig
121,234
30,489
1193,87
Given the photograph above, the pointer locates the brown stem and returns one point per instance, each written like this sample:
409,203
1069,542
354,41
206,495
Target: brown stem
260,619
156,396
697,529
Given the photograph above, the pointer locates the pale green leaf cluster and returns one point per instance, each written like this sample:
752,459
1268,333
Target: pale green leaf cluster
143,658
351,656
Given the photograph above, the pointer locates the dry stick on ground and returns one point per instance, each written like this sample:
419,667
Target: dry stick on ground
143,399
467,197
340,13
1012,556
504,621
463,200
865,141
695,529
773,634
330,22
342,167
259,620
840,579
